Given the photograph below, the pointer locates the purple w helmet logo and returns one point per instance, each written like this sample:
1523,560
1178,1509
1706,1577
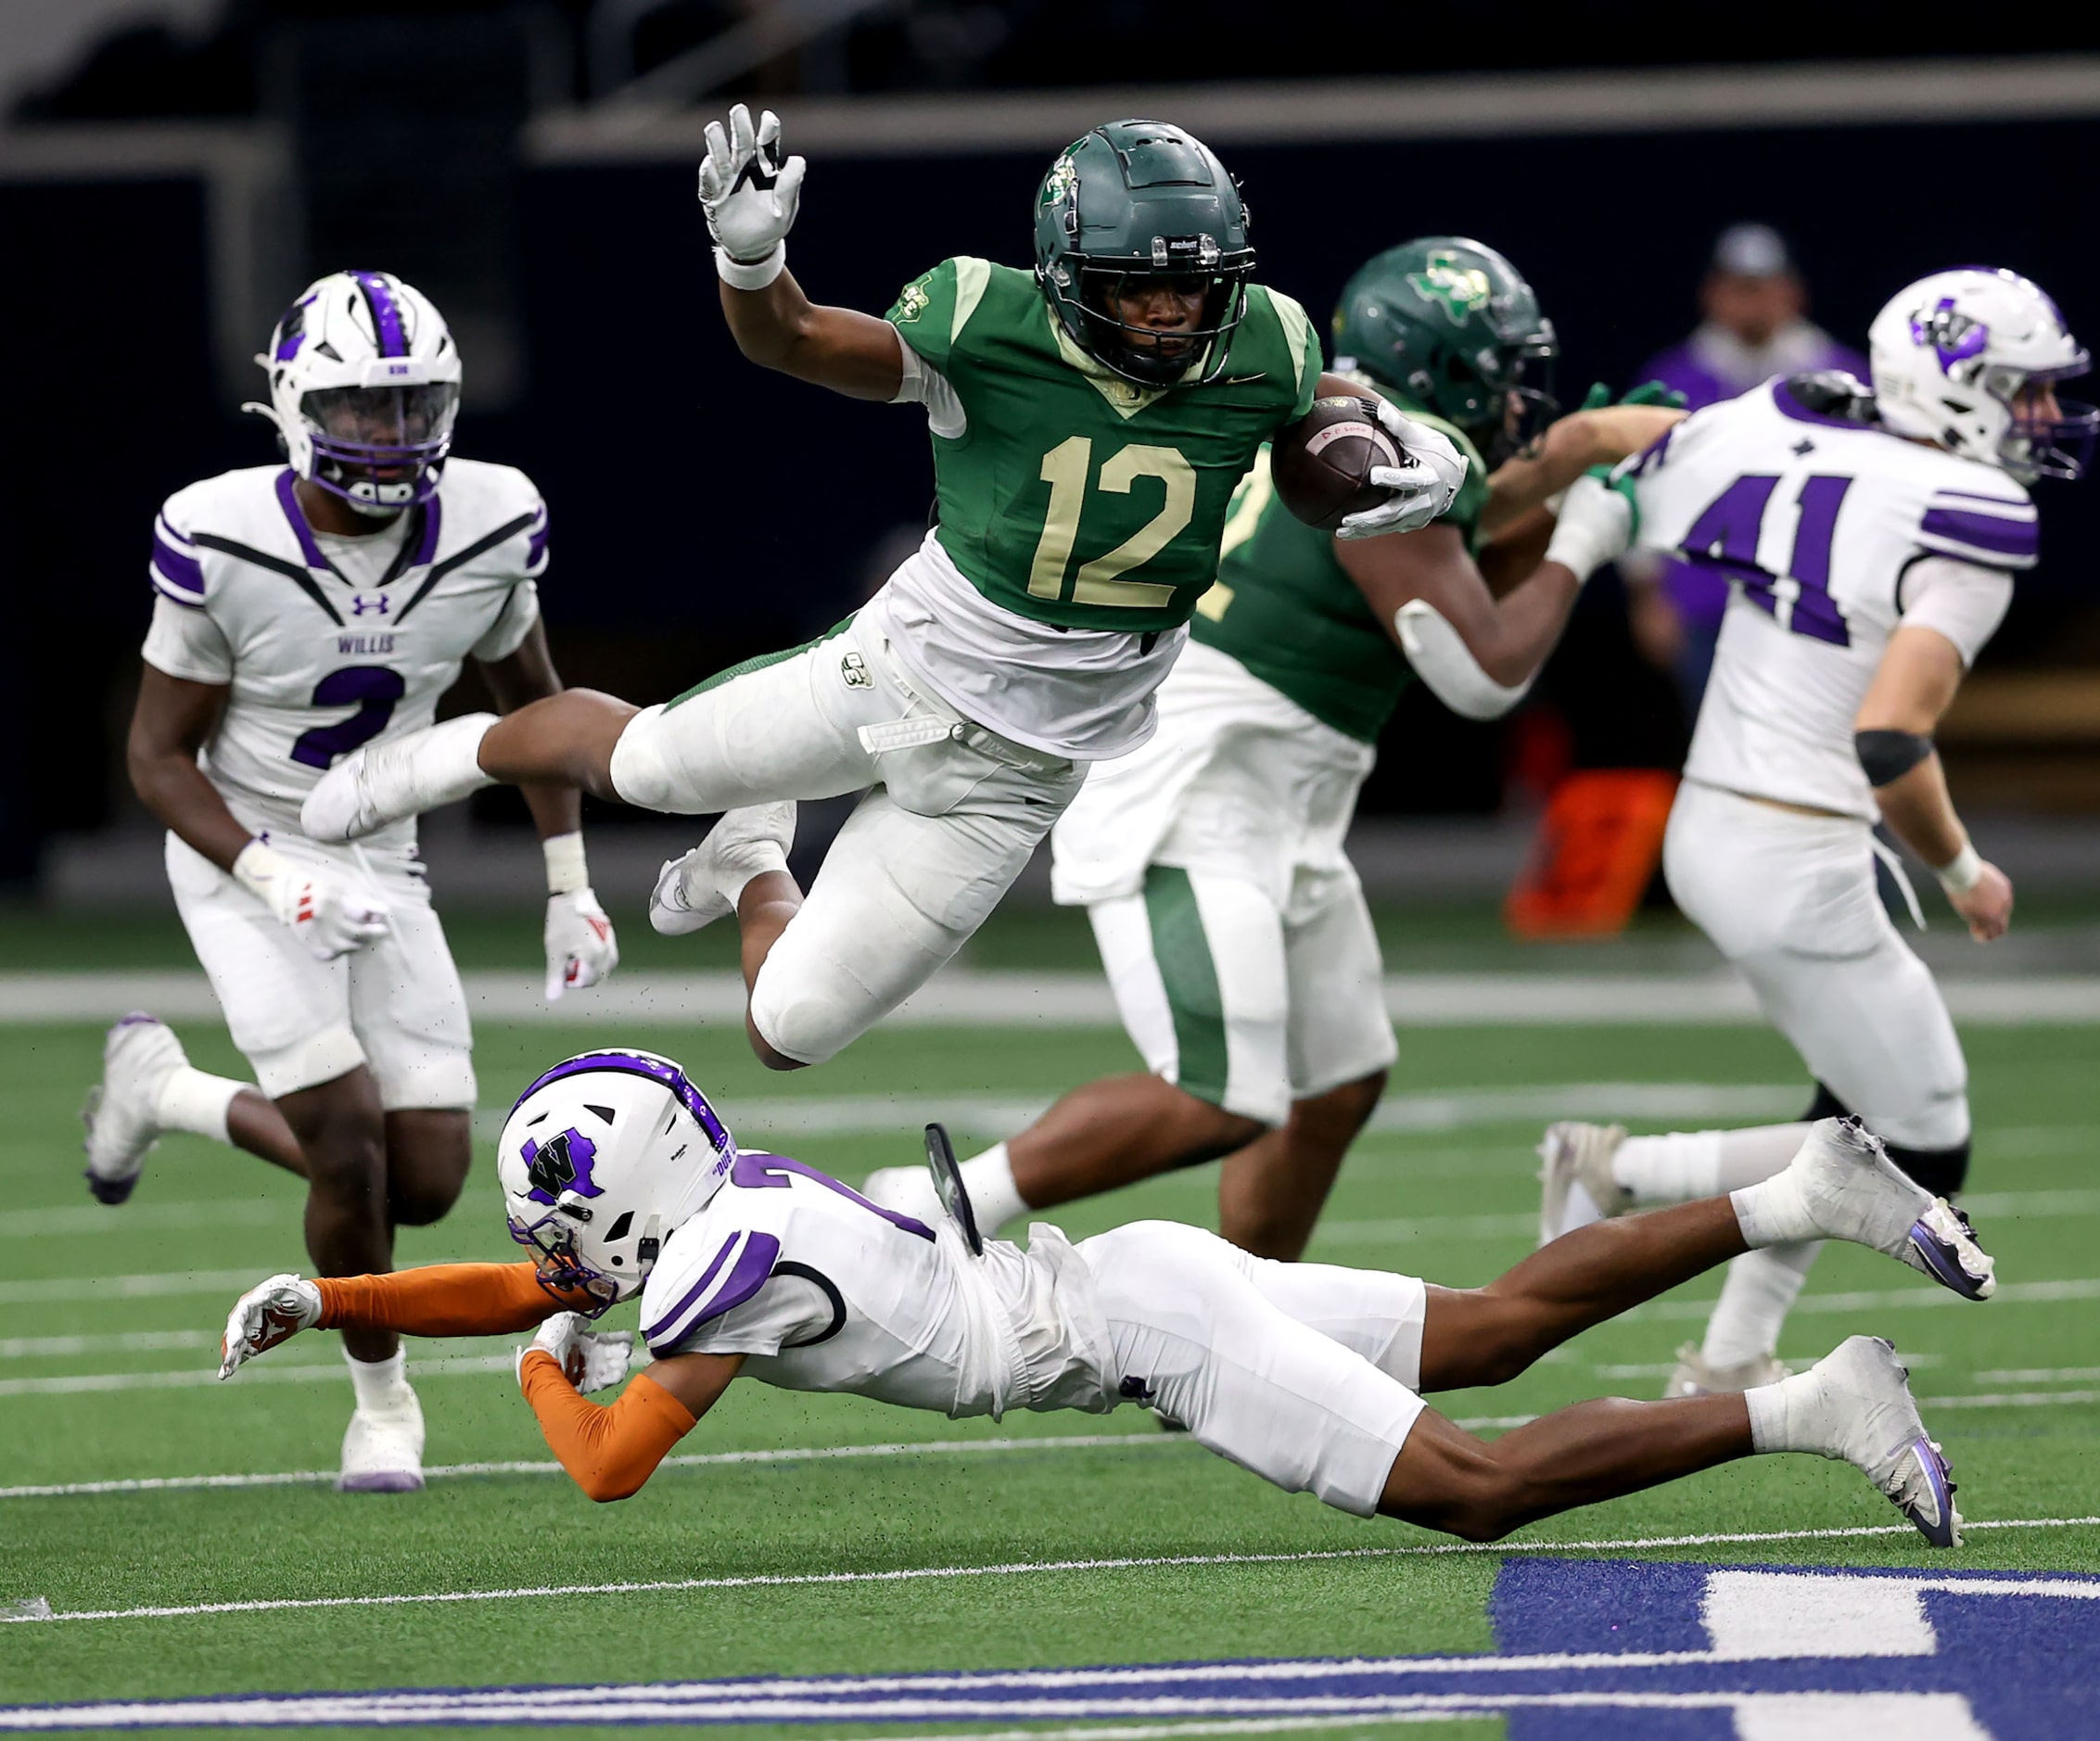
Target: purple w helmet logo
561,1163
1955,336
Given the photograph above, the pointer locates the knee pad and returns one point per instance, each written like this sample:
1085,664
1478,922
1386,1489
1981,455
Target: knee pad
1940,1170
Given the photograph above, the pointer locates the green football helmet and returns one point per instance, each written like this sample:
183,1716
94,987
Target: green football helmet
1137,203
1452,325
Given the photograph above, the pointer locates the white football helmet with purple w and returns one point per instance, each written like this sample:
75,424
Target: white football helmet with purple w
1951,354
365,383
599,1161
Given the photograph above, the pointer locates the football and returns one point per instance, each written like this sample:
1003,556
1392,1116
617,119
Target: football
1321,464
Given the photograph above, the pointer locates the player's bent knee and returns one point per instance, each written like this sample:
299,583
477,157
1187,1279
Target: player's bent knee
1445,1479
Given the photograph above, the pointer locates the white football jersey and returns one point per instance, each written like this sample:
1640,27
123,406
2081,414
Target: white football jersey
824,1290
1817,519
329,643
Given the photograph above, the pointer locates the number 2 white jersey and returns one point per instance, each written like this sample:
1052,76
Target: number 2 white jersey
318,660
1829,530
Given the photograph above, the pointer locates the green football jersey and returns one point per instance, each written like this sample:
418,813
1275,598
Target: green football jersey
1074,497
1284,607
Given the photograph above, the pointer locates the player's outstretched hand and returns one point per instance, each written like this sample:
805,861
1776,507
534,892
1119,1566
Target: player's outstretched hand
581,949
750,192
1986,906
592,1360
269,1312
1597,521
1424,484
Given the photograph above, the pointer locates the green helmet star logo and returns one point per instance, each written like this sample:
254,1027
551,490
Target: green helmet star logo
1462,289
1063,178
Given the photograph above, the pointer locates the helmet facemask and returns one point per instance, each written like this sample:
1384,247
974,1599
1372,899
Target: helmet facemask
2035,446
379,448
1141,354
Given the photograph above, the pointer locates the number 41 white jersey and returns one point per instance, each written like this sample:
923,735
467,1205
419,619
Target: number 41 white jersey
329,643
1832,532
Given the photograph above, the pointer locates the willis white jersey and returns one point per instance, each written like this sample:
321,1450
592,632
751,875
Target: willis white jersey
1832,532
824,1290
330,643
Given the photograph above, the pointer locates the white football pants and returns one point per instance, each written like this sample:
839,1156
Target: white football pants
1303,1374
1790,900
953,813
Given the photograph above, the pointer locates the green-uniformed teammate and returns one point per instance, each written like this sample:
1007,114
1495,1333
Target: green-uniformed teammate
1211,861
1091,423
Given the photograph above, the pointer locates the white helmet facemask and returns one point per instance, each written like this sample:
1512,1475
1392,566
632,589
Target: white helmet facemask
1952,355
365,383
599,1161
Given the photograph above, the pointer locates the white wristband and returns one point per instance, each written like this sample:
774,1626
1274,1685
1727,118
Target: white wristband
751,274
1963,871
565,869
260,870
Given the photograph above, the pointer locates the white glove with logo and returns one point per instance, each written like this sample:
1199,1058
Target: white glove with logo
329,918
591,1360
749,194
1424,484
1597,524
581,949
269,1312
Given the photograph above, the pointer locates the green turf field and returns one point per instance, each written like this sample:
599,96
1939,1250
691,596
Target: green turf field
114,1315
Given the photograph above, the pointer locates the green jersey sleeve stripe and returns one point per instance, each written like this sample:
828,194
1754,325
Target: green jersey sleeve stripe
972,276
1304,351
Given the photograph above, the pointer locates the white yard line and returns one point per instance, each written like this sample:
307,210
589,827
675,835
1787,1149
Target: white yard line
198,1377
153,1216
68,1289
1895,1299
1008,1570
122,1342
2039,1375
1013,999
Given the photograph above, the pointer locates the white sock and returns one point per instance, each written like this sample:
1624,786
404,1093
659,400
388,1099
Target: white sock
1686,1166
380,1385
989,1177
1793,1415
1760,1291
196,1101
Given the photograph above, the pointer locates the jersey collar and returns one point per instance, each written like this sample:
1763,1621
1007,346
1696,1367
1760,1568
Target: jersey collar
418,549
1126,397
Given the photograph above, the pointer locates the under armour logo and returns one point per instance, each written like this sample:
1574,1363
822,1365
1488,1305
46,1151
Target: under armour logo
561,1163
377,603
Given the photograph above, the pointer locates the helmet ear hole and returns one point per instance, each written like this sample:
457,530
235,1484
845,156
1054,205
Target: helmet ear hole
618,1230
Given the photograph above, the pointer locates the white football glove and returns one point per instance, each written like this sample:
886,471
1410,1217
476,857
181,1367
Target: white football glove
1598,523
581,949
328,917
269,1312
591,1360
1424,484
750,194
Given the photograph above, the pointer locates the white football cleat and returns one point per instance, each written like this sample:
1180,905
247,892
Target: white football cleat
907,1191
695,889
1853,1191
122,1110
1695,1378
1572,1154
384,782
383,1451
1875,1426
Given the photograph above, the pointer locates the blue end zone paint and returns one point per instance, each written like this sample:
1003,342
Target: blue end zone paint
1587,1650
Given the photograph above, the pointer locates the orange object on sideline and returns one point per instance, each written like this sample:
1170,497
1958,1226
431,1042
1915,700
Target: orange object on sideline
438,1300
1597,848
609,1452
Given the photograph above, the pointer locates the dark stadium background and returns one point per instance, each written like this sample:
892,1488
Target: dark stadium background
704,509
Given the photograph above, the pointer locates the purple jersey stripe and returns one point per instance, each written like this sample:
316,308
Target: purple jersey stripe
175,567
754,1266
650,1332
181,540
1989,532
386,315
287,499
536,541
433,518
162,589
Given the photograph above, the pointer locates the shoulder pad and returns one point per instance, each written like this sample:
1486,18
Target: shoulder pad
1833,393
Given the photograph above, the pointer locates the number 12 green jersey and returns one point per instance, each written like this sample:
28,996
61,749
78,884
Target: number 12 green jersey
1067,494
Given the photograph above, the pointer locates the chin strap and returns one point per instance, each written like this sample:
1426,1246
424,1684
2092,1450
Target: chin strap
1442,660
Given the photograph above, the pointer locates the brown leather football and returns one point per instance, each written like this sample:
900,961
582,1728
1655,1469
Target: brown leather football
1321,464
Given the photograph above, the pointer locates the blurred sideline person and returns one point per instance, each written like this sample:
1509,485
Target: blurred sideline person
299,611
1869,544
1210,862
1090,424
619,1175
1754,326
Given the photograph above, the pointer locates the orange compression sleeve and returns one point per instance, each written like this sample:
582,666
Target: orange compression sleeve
609,1452
438,1300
